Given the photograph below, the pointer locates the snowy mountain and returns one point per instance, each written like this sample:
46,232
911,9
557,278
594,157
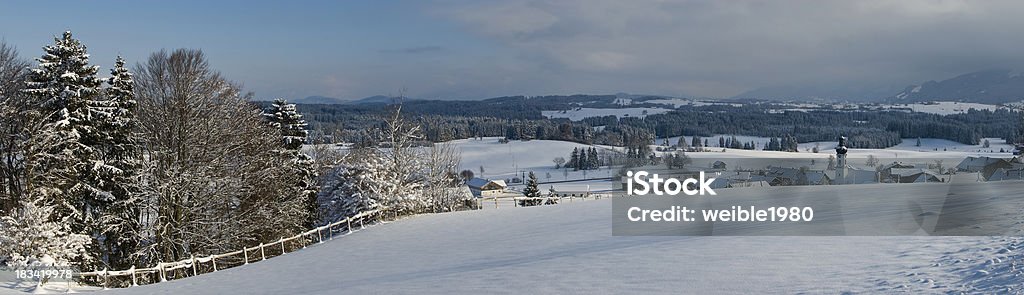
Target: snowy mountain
991,86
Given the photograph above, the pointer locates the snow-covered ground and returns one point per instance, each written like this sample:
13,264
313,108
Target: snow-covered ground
944,107
582,113
569,249
929,147
678,102
504,161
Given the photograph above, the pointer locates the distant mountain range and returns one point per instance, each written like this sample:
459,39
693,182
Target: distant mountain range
991,86
821,93
316,99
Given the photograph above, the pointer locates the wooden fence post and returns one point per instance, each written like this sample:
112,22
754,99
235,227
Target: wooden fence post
262,254
135,281
213,258
163,271
105,279
320,236
195,267
245,253
281,240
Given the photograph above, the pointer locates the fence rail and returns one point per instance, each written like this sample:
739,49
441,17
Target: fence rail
249,254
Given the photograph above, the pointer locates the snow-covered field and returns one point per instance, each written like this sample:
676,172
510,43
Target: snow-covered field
929,147
504,161
582,113
678,102
945,107
569,249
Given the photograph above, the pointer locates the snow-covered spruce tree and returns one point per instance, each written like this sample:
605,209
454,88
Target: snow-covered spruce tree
116,143
28,237
214,175
574,159
283,116
61,161
531,190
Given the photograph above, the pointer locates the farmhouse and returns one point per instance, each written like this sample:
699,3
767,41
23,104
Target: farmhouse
485,187
913,175
982,164
1007,174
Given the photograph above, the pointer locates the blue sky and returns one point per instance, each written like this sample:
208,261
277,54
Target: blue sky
458,49
275,48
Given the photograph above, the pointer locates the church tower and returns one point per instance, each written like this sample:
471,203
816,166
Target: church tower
841,160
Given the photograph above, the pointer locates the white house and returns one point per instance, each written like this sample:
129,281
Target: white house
485,187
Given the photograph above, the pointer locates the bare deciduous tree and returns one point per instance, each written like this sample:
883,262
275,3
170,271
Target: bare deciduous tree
213,173
442,182
14,126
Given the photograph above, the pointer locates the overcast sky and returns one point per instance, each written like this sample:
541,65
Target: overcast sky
479,49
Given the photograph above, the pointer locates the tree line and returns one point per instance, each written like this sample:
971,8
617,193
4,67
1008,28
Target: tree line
155,163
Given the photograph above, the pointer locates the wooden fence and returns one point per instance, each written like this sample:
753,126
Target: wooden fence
195,265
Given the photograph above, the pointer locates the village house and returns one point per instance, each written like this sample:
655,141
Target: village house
986,166
913,175
1007,174
481,187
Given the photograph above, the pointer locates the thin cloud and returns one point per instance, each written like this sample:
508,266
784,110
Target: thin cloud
722,48
412,50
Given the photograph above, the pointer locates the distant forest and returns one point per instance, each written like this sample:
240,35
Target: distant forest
519,118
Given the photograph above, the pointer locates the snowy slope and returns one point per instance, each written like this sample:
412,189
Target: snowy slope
569,248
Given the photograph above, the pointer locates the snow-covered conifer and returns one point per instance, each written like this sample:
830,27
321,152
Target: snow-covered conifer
119,152
531,190
61,160
292,128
